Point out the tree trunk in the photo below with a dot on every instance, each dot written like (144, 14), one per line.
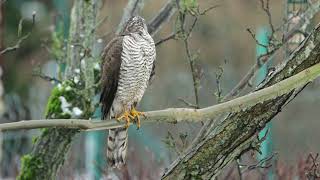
(52, 146)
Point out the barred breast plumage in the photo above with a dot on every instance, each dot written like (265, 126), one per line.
(137, 60)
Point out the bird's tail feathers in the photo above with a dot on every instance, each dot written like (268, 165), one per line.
(117, 146)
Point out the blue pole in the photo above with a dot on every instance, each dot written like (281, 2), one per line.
(267, 145)
(95, 151)
(63, 19)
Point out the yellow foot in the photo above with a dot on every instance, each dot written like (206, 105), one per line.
(137, 114)
(127, 117)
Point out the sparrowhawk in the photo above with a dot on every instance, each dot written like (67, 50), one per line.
(128, 66)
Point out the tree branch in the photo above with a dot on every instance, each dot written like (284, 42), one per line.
(16, 46)
(174, 115)
(132, 9)
(162, 17)
(22, 39)
(171, 36)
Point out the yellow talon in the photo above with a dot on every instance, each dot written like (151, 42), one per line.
(127, 117)
(137, 114)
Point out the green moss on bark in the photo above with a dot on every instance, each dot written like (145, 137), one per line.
(54, 109)
(52, 146)
(28, 166)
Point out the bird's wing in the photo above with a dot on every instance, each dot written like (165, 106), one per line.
(111, 58)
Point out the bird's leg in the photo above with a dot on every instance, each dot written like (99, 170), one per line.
(137, 114)
(126, 116)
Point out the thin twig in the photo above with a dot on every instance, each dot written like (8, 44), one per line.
(186, 35)
(100, 22)
(192, 67)
(209, 9)
(174, 34)
(16, 46)
(21, 40)
(218, 82)
(266, 8)
(46, 77)
(171, 36)
(188, 103)
(256, 40)
(261, 164)
(195, 20)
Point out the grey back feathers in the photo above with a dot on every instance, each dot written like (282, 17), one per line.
(127, 69)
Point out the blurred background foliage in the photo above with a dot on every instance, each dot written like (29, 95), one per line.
(222, 41)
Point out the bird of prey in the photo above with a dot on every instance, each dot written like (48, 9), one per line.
(128, 66)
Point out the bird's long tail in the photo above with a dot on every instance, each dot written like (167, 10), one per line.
(117, 147)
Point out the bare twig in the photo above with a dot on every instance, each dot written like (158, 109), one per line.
(171, 36)
(266, 9)
(254, 37)
(46, 77)
(261, 164)
(218, 93)
(16, 46)
(313, 172)
(174, 34)
(185, 37)
(22, 39)
(194, 73)
(208, 9)
(100, 22)
(189, 104)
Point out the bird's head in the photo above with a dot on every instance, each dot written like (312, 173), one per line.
(136, 24)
